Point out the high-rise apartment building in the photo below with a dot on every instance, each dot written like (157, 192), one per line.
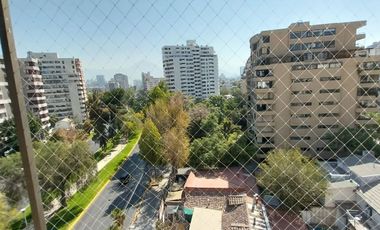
(191, 69)
(122, 79)
(306, 80)
(112, 84)
(100, 81)
(63, 85)
(149, 81)
(33, 89)
(5, 101)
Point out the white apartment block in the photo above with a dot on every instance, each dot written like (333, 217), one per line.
(122, 79)
(5, 101)
(33, 89)
(191, 69)
(149, 81)
(63, 84)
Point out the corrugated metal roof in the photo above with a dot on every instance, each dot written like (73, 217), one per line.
(364, 170)
(372, 197)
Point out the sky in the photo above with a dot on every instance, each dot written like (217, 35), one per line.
(127, 36)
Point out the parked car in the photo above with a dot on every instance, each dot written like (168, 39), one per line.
(125, 178)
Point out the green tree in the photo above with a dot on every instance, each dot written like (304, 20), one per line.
(8, 137)
(296, 180)
(7, 213)
(172, 120)
(12, 178)
(353, 140)
(60, 165)
(161, 92)
(150, 143)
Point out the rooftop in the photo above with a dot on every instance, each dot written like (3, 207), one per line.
(372, 197)
(207, 219)
(229, 178)
(366, 170)
(281, 219)
(235, 214)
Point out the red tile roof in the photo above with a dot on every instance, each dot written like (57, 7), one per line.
(228, 178)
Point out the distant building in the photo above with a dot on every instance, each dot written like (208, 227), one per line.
(100, 81)
(149, 81)
(5, 101)
(112, 84)
(62, 82)
(137, 84)
(122, 79)
(191, 69)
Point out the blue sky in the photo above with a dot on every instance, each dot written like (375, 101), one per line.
(127, 36)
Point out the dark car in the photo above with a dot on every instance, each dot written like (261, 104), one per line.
(124, 179)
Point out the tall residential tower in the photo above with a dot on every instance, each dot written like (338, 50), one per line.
(306, 80)
(63, 84)
(191, 69)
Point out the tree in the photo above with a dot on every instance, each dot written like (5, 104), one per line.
(150, 143)
(161, 92)
(172, 121)
(206, 152)
(12, 178)
(118, 219)
(353, 140)
(296, 180)
(60, 165)
(7, 213)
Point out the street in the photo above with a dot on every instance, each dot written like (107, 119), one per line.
(116, 195)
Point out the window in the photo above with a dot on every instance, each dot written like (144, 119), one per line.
(300, 126)
(331, 78)
(328, 115)
(312, 33)
(329, 91)
(266, 39)
(263, 107)
(369, 79)
(302, 92)
(368, 92)
(264, 73)
(328, 103)
(301, 115)
(300, 104)
(264, 85)
(302, 80)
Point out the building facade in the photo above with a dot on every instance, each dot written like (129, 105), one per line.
(33, 89)
(122, 79)
(306, 80)
(5, 101)
(191, 69)
(149, 81)
(63, 84)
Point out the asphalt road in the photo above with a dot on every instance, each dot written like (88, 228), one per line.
(116, 195)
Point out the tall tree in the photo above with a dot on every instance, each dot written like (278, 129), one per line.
(172, 121)
(151, 148)
(296, 180)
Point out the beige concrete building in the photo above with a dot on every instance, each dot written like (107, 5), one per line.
(306, 80)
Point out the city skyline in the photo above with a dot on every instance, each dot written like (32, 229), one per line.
(105, 42)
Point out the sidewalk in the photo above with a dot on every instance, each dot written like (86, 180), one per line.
(103, 162)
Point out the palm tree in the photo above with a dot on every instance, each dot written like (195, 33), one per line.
(118, 219)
